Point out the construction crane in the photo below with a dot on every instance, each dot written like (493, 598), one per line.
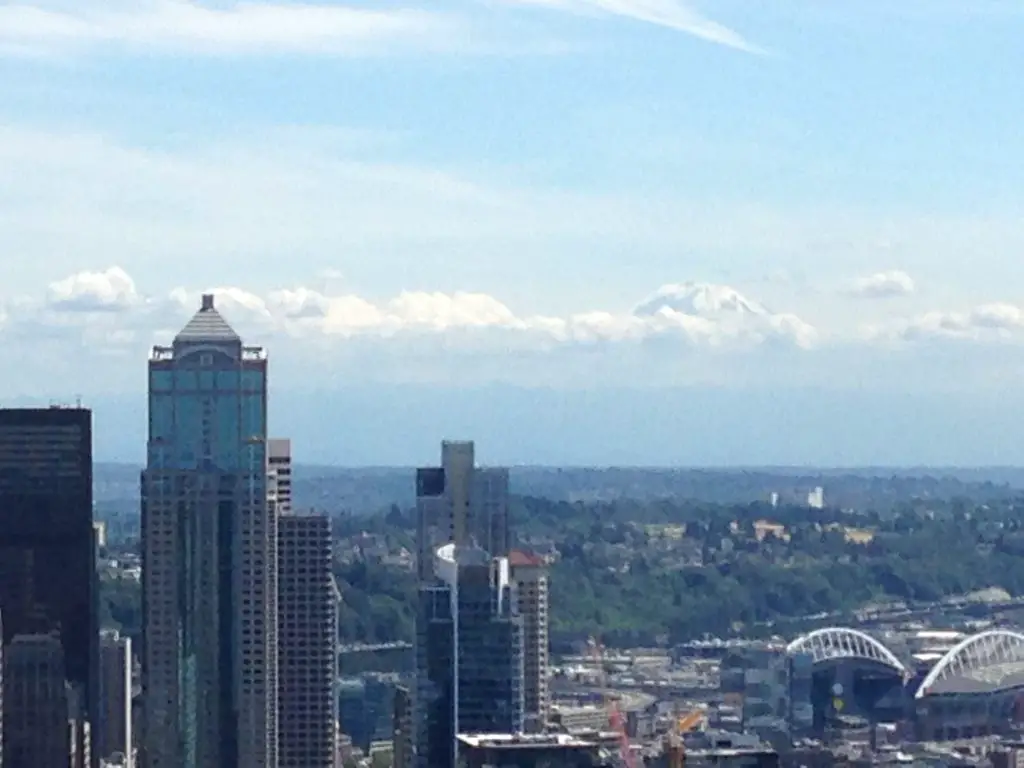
(674, 748)
(614, 715)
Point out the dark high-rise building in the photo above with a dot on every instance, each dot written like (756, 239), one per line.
(469, 653)
(48, 565)
(469, 634)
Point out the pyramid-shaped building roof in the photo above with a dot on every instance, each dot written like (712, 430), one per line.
(207, 325)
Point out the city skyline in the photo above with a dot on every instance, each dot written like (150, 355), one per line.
(571, 196)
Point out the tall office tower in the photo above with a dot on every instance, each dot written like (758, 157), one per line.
(469, 655)
(48, 559)
(307, 642)
(530, 576)
(209, 556)
(461, 503)
(114, 725)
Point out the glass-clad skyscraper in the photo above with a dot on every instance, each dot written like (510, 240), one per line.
(469, 651)
(209, 554)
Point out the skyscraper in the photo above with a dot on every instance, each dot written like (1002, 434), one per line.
(469, 655)
(469, 636)
(530, 577)
(45, 725)
(209, 556)
(47, 576)
(307, 626)
(114, 724)
(461, 503)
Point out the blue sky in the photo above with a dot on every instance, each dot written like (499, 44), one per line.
(524, 193)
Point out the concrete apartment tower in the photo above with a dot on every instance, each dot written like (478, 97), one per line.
(114, 729)
(209, 556)
(529, 574)
(307, 626)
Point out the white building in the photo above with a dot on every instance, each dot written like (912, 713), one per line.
(816, 498)
(529, 574)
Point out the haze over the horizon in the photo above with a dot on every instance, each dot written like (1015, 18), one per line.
(669, 232)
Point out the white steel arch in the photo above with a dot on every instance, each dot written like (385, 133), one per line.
(845, 643)
(994, 649)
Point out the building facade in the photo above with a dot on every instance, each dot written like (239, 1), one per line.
(113, 735)
(46, 520)
(469, 635)
(279, 474)
(461, 503)
(401, 720)
(307, 640)
(209, 556)
(43, 727)
(530, 576)
(469, 648)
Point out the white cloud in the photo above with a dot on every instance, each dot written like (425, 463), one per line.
(227, 28)
(882, 285)
(110, 291)
(693, 314)
(996, 321)
(673, 14)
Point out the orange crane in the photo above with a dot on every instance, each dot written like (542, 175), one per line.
(614, 716)
(674, 747)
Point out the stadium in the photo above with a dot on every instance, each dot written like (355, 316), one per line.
(975, 689)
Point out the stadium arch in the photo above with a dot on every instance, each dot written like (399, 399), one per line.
(991, 658)
(837, 643)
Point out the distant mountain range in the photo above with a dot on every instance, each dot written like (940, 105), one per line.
(393, 425)
(366, 490)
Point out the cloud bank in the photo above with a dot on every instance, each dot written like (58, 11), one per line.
(694, 315)
(92, 331)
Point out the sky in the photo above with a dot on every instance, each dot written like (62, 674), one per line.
(584, 231)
